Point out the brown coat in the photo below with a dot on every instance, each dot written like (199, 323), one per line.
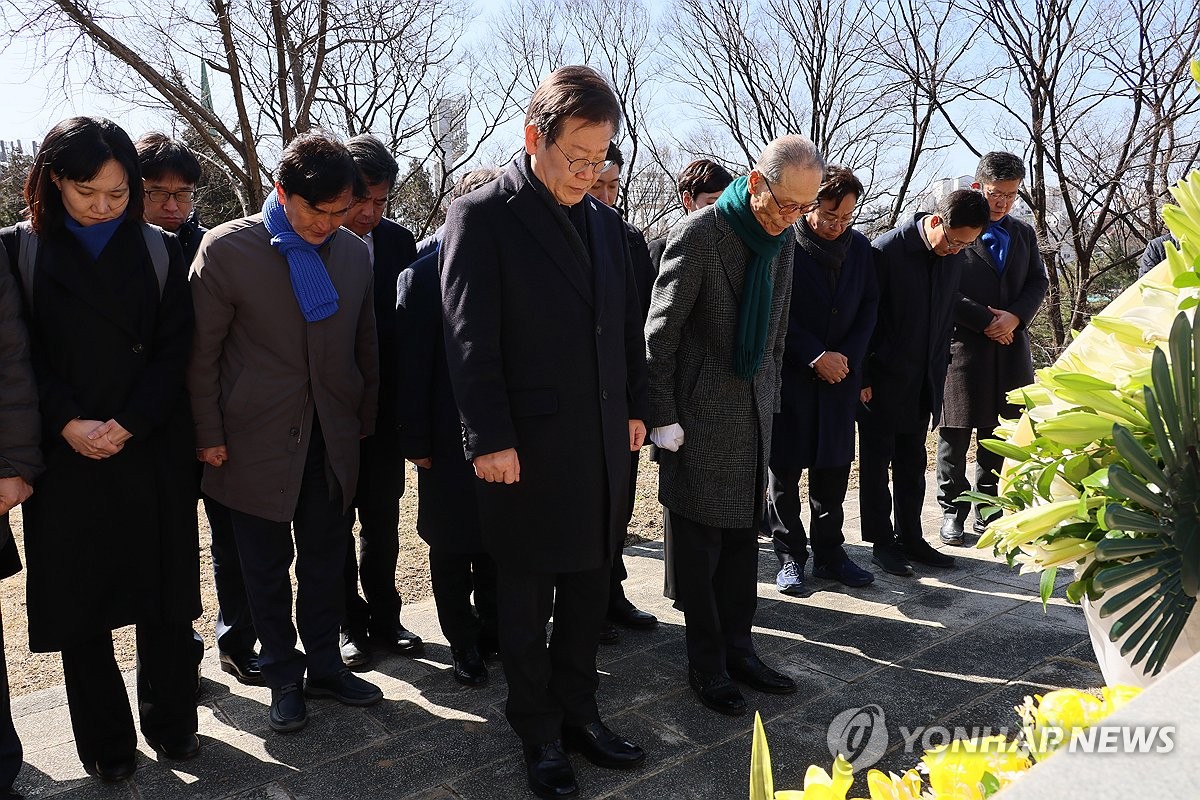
(259, 371)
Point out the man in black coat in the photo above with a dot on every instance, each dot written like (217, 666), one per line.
(700, 185)
(919, 266)
(20, 463)
(620, 610)
(1003, 283)
(545, 350)
(170, 173)
(375, 622)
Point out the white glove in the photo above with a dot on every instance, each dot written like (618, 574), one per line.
(668, 437)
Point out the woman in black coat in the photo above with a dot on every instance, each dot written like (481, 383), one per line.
(447, 513)
(110, 533)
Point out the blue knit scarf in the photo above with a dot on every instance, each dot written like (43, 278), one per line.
(754, 315)
(996, 239)
(94, 238)
(310, 281)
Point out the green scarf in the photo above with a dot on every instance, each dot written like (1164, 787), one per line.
(754, 317)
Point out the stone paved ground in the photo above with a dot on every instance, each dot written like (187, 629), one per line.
(949, 647)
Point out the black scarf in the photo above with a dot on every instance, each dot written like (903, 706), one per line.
(828, 254)
(572, 219)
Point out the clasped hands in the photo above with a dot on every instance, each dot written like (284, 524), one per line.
(504, 466)
(1000, 329)
(831, 367)
(95, 439)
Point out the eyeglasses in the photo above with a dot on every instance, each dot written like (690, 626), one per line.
(832, 221)
(578, 166)
(953, 243)
(790, 208)
(162, 195)
(992, 194)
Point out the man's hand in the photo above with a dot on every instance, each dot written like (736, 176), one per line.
(637, 434)
(864, 395)
(501, 467)
(13, 492)
(113, 432)
(668, 437)
(423, 463)
(1000, 329)
(78, 432)
(831, 367)
(213, 456)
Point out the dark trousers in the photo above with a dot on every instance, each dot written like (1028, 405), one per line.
(378, 504)
(11, 753)
(826, 493)
(953, 444)
(454, 577)
(553, 684)
(235, 627)
(616, 593)
(166, 677)
(904, 454)
(320, 548)
(716, 586)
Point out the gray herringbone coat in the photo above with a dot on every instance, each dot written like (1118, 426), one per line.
(719, 474)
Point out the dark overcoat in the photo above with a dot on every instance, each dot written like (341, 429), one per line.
(545, 355)
(447, 512)
(718, 476)
(643, 268)
(20, 426)
(981, 372)
(910, 348)
(382, 472)
(816, 426)
(114, 541)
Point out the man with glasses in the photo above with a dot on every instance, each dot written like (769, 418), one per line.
(545, 351)
(715, 344)
(284, 378)
(919, 265)
(1003, 284)
(170, 173)
(834, 299)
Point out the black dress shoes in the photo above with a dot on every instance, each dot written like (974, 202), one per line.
(952, 531)
(627, 615)
(288, 712)
(920, 551)
(980, 526)
(469, 669)
(891, 559)
(609, 634)
(345, 687)
(121, 769)
(243, 666)
(751, 671)
(400, 641)
(183, 748)
(356, 653)
(717, 692)
(601, 746)
(549, 771)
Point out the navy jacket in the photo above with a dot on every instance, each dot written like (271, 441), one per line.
(910, 349)
(816, 426)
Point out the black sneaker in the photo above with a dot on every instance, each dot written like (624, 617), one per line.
(345, 687)
(890, 559)
(288, 712)
(922, 552)
(845, 572)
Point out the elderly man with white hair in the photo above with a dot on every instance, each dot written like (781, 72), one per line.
(714, 343)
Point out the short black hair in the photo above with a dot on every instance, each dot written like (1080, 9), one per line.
(703, 176)
(77, 149)
(839, 182)
(318, 167)
(614, 155)
(998, 166)
(159, 156)
(374, 161)
(573, 91)
(965, 208)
